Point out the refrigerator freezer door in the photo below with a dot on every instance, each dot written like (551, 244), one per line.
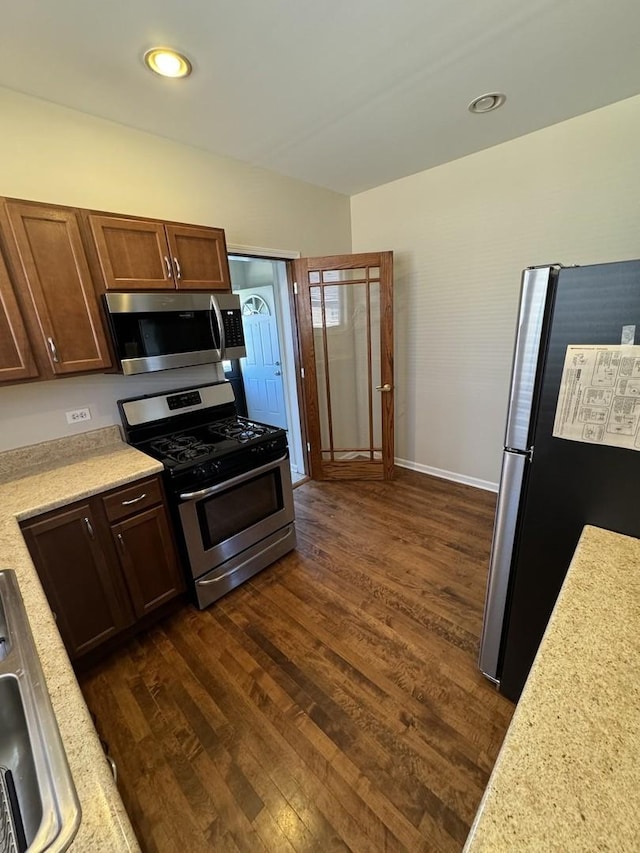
(569, 483)
(504, 534)
(536, 284)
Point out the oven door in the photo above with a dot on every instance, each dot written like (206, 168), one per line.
(225, 520)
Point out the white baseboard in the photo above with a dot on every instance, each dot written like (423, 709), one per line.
(487, 485)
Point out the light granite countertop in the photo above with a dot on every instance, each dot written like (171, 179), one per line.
(568, 775)
(34, 480)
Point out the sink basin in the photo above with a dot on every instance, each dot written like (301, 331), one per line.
(39, 808)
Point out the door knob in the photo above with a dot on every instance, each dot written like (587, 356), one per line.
(385, 387)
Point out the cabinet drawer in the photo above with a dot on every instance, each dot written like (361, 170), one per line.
(134, 498)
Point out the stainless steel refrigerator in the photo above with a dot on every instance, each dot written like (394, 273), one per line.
(551, 486)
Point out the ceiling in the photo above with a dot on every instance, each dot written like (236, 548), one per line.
(346, 94)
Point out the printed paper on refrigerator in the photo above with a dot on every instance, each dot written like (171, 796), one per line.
(599, 399)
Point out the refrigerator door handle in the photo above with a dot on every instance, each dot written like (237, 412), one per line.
(504, 533)
(536, 286)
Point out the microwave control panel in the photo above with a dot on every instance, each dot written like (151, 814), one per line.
(233, 333)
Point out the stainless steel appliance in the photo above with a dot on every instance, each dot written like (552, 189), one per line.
(550, 487)
(159, 331)
(228, 482)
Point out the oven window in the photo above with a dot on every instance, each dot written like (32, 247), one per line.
(155, 333)
(234, 510)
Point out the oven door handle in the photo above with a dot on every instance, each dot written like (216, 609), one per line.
(241, 478)
(215, 309)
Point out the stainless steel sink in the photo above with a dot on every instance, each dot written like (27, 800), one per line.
(39, 808)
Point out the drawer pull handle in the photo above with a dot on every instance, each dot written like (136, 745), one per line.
(89, 527)
(135, 500)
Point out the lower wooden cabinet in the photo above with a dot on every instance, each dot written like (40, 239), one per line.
(102, 576)
(148, 559)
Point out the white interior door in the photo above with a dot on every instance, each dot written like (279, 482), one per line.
(262, 367)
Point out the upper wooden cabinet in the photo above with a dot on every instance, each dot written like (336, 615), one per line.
(54, 286)
(136, 254)
(16, 358)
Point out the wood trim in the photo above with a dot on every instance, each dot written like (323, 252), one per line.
(327, 377)
(369, 365)
(386, 355)
(345, 262)
(305, 327)
(297, 361)
(353, 470)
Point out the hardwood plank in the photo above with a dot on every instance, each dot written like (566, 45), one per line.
(331, 703)
(353, 709)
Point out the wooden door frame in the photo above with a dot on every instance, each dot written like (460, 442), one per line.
(288, 257)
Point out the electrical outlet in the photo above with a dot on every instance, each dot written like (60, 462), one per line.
(78, 415)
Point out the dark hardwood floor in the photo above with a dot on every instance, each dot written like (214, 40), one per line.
(331, 703)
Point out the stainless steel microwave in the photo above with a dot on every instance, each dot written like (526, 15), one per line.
(160, 331)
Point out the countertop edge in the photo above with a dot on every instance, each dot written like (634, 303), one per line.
(566, 776)
(104, 824)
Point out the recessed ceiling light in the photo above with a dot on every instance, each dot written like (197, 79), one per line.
(487, 103)
(167, 62)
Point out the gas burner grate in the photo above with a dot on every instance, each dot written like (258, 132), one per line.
(239, 430)
(181, 448)
(194, 452)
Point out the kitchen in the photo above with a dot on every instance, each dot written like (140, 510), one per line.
(460, 224)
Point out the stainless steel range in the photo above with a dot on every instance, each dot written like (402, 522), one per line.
(227, 479)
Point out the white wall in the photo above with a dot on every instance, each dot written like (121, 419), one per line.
(461, 234)
(53, 154)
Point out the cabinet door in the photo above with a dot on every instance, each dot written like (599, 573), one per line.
(199, 257)
(78, 581)
(16, 358)
(133, 253)
(148, 559)
(50, 262)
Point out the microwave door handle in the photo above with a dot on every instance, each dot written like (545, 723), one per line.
(241, 478)
(215, 308)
